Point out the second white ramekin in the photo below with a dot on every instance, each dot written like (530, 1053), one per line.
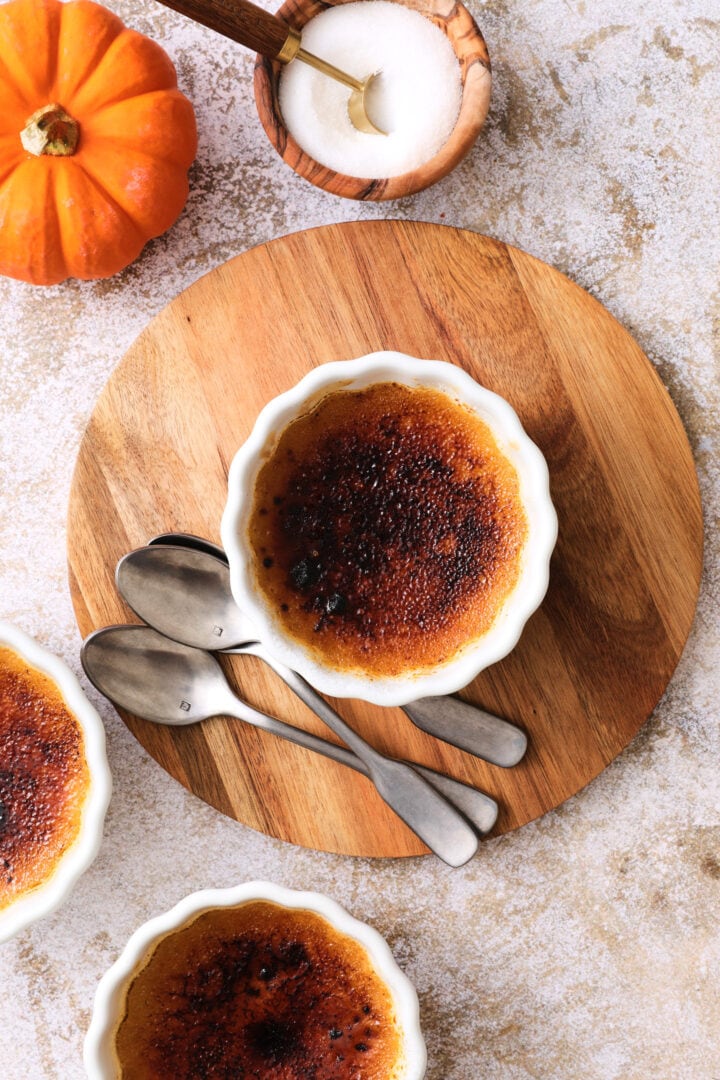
(512, 441)
(78, 857)
(99, 1054)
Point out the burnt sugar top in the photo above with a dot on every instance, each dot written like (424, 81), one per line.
(387, 528)
(259, 990)
(44, 777)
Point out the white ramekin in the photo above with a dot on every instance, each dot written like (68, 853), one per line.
(46, 897)
(532, 472)
(99, 1053)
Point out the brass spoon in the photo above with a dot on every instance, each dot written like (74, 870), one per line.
(256, 28)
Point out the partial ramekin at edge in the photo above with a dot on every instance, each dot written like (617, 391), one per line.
(99, 1047)
(54, 891)
(512, 441)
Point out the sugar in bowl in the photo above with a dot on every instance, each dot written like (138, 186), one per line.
(430, 95)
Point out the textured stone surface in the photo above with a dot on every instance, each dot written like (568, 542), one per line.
(587, 943)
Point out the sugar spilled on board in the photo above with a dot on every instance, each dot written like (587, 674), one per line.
(415, 98)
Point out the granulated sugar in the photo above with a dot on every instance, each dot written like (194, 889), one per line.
(415, 99)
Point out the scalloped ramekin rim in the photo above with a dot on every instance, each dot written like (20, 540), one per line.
(75, 861)
(526, 597)
(98, 1055)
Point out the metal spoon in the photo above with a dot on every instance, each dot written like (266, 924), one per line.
(189, 599)
(167, 682)
(129, 690)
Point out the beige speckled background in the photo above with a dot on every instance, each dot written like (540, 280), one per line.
(586, 944)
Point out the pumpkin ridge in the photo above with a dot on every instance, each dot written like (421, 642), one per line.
(157, 92)
(129, 55)
(56, 245)
(131, 146)
(93, 25)
(15, 78)
(10, 85)
(27, 198)
(11, 155)
(163, 203)
(111, 200)
(31, 29)
(98, 213)
(53, 46)
(106, 127)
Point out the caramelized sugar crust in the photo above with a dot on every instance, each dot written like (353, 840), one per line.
(44, 777)
(258, 990)
(387, 529)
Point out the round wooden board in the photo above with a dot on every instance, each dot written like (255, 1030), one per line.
(592, 662)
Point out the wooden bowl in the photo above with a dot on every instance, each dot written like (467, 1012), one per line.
(471, 51)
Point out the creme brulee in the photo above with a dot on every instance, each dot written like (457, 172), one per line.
(258, 990)
(44, 777)
(387, 529)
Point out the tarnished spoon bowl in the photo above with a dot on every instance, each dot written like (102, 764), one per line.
(163, 681)
(180, 585)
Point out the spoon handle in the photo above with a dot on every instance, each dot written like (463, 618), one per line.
(477, 807)
(414, 800)
(240, 21)
(448, 718)
(470, 728)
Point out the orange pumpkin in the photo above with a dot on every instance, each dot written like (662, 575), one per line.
(95, 141)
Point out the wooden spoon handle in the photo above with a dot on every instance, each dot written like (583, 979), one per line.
(240, 21)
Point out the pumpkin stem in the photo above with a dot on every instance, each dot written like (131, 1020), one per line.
(52, 131)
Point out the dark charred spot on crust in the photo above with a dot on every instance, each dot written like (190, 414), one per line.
(41, 762)
(274, 1040)
(256, 999)
(395, 525)
(305, 572)
(396, 534)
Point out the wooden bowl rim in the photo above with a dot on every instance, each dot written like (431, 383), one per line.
(475, 69)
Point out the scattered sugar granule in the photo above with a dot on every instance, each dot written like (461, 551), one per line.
(416, 97)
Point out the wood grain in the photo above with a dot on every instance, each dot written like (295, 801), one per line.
(596, 657)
